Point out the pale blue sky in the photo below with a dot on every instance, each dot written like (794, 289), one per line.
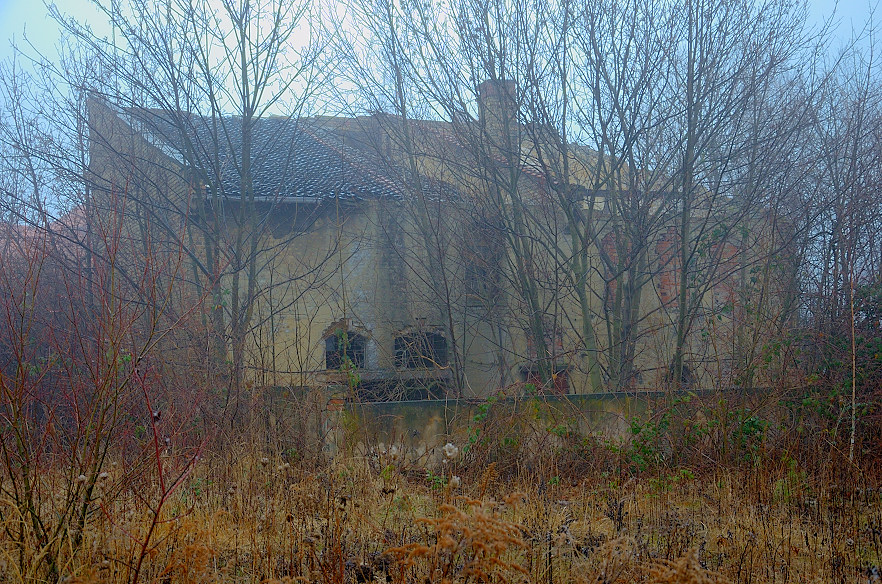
(19, 17)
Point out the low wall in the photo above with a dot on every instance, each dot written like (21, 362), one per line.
(420, 428)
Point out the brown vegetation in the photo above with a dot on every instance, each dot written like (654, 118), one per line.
(733, 504)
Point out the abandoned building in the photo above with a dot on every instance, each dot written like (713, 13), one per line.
(410, 259)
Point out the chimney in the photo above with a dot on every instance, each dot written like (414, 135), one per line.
(498, 108)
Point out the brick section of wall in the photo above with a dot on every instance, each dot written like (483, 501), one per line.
(724, 289)
(609, 246)
(667, 250)
(336, 404)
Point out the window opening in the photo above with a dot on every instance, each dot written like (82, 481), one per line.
(343, 345)
(420, 351)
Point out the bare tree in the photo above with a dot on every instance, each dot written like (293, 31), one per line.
(615, 149)
(202, 81)
(731, 54)
(424, 236)
(842, 254)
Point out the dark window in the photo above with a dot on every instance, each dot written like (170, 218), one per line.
(420, 350)
(407, 390)
(475, 279)
(687, 378)
(344, 345)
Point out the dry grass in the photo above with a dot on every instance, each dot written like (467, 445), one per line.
(727, 504)
(251, 516)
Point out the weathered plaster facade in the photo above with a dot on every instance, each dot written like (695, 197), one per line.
(401, 250)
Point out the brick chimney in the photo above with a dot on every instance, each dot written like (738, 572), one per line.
(498, 108)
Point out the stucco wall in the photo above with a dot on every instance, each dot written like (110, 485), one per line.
(364, 264)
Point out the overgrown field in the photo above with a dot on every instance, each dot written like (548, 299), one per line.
(682, 499)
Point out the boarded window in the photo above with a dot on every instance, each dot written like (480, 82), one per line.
(344, 346)
(420, 351)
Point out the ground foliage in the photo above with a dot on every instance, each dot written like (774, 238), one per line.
(696, 491)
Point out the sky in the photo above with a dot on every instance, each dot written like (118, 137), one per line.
(29, 17)
(20, 17)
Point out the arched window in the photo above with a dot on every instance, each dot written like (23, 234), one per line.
(342, 346)
(418, 350)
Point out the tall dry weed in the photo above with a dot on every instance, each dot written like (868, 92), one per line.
(684, 570)
(469, 542)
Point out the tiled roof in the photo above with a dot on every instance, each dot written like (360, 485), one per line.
(290, 157)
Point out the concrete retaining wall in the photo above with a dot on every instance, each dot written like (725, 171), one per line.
(418, 429)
